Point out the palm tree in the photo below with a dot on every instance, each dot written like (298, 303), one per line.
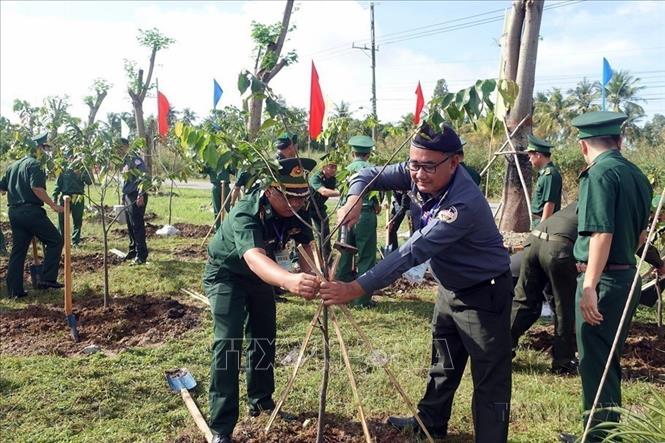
(622, 93)
(551, 114)
(342, 109)
(582, 97)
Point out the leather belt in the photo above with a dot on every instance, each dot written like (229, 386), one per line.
(581, 267)
(549, 237)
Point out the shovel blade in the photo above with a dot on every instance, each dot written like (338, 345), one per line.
(180, 378)
(71, 321)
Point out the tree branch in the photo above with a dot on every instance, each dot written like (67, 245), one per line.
(285, 28)
(274, 71)
(146, 85)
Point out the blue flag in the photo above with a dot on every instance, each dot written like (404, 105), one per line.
(607, 71)
(217, 93)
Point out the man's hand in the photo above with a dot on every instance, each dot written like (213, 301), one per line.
(589, 306)
(304, 285)
(349, 214)
(339, 293)
(57, 208)
(140, 201)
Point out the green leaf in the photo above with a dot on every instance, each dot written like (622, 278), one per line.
(472, 104)
(243, 82)
(179, 127)
(508, 90)
(436, 119)
(446, 100)
(268, 123)
(210, 155)
(257, 85)
(454, 114)
(459, 98)
(272, 107)
(487, 87)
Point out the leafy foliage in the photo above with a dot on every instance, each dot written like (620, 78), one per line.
(645, 426)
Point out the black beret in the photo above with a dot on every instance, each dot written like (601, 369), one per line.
(445, 141)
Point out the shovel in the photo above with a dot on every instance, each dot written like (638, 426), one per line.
(68, 304)
(181, 380)
(36, 267)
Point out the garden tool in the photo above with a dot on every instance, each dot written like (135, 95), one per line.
(69, 312)
(36, 267)
(181, 380)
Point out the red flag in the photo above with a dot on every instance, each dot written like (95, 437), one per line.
(317, 106)
(163, 108)
(420, 102)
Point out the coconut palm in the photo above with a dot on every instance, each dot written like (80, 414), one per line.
(582, 97)
(622, 93)
(552, 114)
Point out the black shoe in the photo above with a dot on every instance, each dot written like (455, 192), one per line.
(130, 256)
(369, 305)
(50, 285)
(410, 424)
(567, 438)
(218, 438)
(19, 295)
(565, 368)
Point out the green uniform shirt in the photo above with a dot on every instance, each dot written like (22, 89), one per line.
(20, 178)
(564, 224)
(316, 182)
(614, 197)
(71, 182)
(475, 176)
(216, 177)
(548, 189)
(252, 224)
(369, 199)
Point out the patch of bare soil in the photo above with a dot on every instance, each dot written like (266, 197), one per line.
(643, 354)
(514, 241)
(186, 230)
(405, 290)
(41, 329)
(191, 253)
(93, 262)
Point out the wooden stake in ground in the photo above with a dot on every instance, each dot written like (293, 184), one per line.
(67, 234)
(219, 214)
(222, 200)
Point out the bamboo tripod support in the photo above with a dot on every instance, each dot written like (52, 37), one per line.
(68, 256)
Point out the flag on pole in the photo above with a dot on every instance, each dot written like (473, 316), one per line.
(420, 103)
(163, 108)
(317, 106)
(607, 71)
(217, 93)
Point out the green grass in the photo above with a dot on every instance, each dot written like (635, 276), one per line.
(124, 397)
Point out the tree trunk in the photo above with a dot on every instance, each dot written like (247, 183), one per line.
(141, 132)
(256, 109)
(105, 265)
(520, 66)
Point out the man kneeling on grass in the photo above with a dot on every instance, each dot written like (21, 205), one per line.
(246, 258)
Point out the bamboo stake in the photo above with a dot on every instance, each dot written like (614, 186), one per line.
(68, 255)
(519, 125)
(389, 372)
(222, 200)
(214, 222)
(519, 172)
(299, 361)
(352, 380)
(195, 295)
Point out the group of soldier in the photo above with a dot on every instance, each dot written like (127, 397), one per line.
(24, 181)
(585, 253)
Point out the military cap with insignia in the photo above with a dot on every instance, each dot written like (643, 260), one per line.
(599, 123)
(445, 141)
(285, 139)
(40, 139)
(291, 175)
(538, 145)
(361, 144)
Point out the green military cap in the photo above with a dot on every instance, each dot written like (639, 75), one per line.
(325, 157)
(361, 144)
(599, 123)
(40, 139)
(285, 139)
(291, 175)
(538, 145)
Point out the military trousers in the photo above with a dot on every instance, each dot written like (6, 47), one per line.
(472, 323)
(77, 207)
(30, 221)
(363, 236)
(594, 343)
(241, 308)
(547, 261)
(136, 225)
(217, 201)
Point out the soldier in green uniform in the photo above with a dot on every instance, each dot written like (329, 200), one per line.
(246, 258)
(72, 181)
(548, 258)
(613, 212)
(217, 176)
(25, 183)
(546, 199)
(323, 185)
(475, 176)
(363, 234)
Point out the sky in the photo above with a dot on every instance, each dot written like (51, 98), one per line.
(59, 48)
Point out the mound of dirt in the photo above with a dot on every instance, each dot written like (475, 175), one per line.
(41, 329)
(93, 262)
(643, 354)
(404, 289)
(191, 253)
(186, 230)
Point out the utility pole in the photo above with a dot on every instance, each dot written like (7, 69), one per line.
(373, 50)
